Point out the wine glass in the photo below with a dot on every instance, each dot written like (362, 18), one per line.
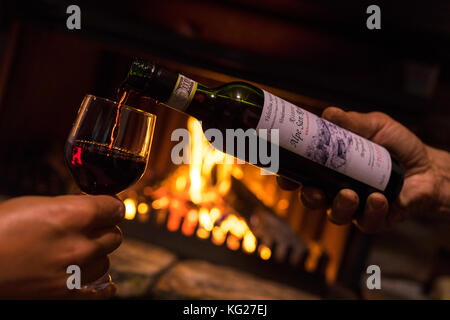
(108, 149)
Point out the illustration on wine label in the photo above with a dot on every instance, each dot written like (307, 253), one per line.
(329, 143)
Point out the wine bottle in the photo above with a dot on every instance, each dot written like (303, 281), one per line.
(312, 151)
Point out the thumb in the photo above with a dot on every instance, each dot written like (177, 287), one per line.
(366, 125)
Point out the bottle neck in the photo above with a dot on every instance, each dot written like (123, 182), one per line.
(161, 84)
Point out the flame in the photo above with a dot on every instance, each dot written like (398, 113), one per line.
(190, 223)
(195, 190)
(218, 236)
(142, 208)
(202, 233)
(161, 203)
(180, 183)
(224, 187)
(236, 226)
(249, 242)
(237, 172)
(130, 208)
(233, 242)
(204, 182)
(264, 252)
(205, 220)
(173, 223)
(214, 214)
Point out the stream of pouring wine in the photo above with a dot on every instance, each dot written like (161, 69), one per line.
(116, 123)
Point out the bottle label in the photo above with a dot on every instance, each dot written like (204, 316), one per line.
(321, 141)
(182, 93)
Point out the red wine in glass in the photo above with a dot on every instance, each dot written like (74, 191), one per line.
(98, 169)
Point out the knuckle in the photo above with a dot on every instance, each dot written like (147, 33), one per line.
(108, 242)
(87, 214)
(84, 253)
(313, 201)
(75, 210)
(116, 238)
(117, 241)
(90, 207)
(380, 117)
(79, 253)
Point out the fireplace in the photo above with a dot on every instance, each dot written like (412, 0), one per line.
(227, 214)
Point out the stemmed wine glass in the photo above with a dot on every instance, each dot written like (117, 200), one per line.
(108, 149)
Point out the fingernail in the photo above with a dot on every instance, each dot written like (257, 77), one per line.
(345, 203)
(310, 199)
(332, 113)
(376, 203)
(306, 197)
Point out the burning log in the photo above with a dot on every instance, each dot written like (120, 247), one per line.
(272, 230)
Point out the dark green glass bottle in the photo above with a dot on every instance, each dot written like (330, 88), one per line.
(312, 151)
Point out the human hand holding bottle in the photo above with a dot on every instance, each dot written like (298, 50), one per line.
(426, 189)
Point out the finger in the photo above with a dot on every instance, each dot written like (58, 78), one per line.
(364, 124)
(106, 240)
(287, 184)
(94, 270)
(101, 212)
(375, 214)
(92, 294)
(344, 207)
(313, 198)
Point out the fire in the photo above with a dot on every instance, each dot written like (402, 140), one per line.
(190, 223)
(233, 243)
(249, 242)
(161, 203)
(195, 190)
(130, 208)
(180, 183)
(264, 252)
(203, 183)
(218, 236)
(142, 208)
(205, 219)
(202, 233)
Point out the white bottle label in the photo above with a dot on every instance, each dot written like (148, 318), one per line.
(323, 142)
(183, 92)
